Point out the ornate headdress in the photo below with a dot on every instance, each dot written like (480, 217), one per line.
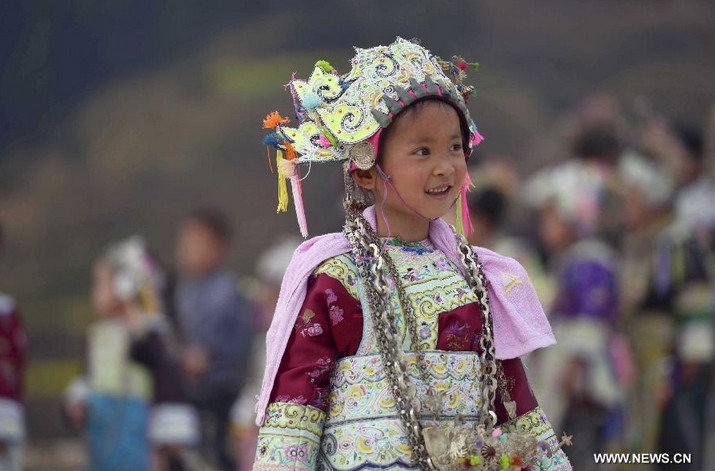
(340, 118)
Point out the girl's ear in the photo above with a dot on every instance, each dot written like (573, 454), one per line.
(365, 178)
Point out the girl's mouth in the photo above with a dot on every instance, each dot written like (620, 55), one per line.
(439, 192)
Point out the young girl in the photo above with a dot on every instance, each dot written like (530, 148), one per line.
(396, 345)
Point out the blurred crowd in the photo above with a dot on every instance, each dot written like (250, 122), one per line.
(619, 240)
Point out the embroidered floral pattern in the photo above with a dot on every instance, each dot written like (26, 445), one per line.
(289, 439)
(330, 296)
(363, 428)
(336, 315)
(342, 269)
(305, 327)
(455, 335)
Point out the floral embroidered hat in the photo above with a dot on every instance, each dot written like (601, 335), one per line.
(341, 117)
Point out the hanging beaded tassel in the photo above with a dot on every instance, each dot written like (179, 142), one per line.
(464, 222)
(282, 185)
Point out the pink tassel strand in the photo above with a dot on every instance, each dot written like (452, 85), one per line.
(297, 188)
(476, 138)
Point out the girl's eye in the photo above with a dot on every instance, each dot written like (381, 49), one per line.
(422, 151)
(456, 147)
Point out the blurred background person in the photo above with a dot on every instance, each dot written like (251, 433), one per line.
(215, 327)
(270, 268)
(501, 224)
(646, 191)
(173, 422)
(133, 407)
(578, 377)
(487, 210)
(112, 405)
(681, 148)
(12, 368)
(683, 287)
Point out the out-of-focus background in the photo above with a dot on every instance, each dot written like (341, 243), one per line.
(120, 117)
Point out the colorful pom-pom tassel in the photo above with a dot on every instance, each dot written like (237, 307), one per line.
(282, 186)
(273, 120)
(273, 140)
(311, 101)
(290, 151)
(476, 138)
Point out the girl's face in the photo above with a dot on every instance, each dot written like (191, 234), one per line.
(424, 156)
(104, 297)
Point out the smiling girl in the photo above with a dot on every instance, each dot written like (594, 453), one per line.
(395, 344)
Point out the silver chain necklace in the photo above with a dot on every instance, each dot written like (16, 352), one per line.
(372, 265)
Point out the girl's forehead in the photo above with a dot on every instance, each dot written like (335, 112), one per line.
(432, 118)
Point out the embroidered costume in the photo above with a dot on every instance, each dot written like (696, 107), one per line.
(330, 405)
(391, 355)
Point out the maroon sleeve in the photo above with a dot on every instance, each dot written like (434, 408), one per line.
(517, 385)
(460, 330)
(328, 327)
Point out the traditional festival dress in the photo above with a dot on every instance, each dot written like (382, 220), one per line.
(384, 354)
(331, 405)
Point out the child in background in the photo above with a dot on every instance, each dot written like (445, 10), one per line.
(578, 378)
(131, 404)
(215, 328)
(395, 344)
(12, 365)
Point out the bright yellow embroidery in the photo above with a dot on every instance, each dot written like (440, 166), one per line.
(510, 281)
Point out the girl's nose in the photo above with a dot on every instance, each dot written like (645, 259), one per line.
(444, 167)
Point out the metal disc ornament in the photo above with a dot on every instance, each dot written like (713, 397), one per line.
(363, 155)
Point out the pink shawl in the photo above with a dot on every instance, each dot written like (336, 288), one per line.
(520, 325)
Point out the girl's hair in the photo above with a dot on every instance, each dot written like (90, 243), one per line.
(413, 110)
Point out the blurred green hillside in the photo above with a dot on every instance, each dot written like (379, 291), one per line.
(142, 149)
